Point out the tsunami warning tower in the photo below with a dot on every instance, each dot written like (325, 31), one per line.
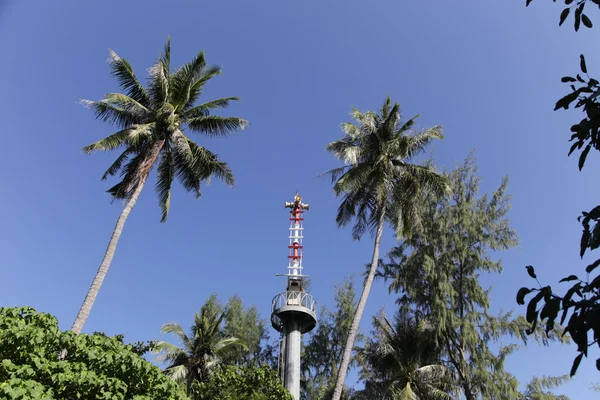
(294, 311)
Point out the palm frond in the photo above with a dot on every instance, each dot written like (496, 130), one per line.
(159, 84)
(204, 109)
(177, 373)
(176, 329)
(127, 103)
(118, 163)
(168, 352)
(112, 114)
(416, 144)
(123, 71)
(130, 136)
(213, 125)
(165, 57)
(110, 142)
(224, 344)
(347, 151)
(166, 172)
(198, 82)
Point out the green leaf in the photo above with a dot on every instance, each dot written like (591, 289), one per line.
(583, 156)
(569, 278)
(563, 15)
(586, 21)
(521, 295)
(576, 364)
(582, 64)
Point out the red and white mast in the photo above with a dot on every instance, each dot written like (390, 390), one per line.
(295, 247)
(293, 312)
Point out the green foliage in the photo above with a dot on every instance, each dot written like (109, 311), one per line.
(537, 388)
(580, 304)
(402, 360)
(152, 121)
(322, 354)
(250, 328)
(377, 151)
(437, 271)
(200, 353)
(578, 7)
(95, 366)
(241, 383)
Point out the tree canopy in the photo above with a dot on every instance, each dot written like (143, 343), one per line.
(95, 366)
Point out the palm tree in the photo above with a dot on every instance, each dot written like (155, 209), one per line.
(402, 361)
(151, 123)
(201, 352)
(377, 151)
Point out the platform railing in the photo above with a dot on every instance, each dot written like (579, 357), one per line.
(298, 299)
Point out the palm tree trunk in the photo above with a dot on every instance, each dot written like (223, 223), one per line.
(92, 293)
(359, 312)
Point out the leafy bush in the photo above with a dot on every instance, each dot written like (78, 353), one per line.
(94, 367)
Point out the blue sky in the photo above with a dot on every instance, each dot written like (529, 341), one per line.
(488, 71)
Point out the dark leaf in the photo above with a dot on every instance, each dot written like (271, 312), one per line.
(566, 101)
(531, 271)
(595, 239)
(580, 79)
(564, 315)
(567, 2)
(586, 21)
(598, 364)
(592, 266)
(575, 146)
(593, 82)
(550, 310)
(578, 12)
(585, 90)
(546, 292)
(568, 79)
(569, 278)
(576, 364)
(596, 282)
(563, 15)
(585, 238)
(521, 295)
(532, 314)
(527, 2)
(582, 64)
(595, 1)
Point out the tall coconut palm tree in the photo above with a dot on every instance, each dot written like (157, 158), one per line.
(151, 123)
(201, 352)
(402, 361)
(377, 151)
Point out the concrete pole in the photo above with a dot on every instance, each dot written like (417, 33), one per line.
(292, 358)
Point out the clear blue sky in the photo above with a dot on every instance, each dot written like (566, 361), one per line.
(488, 71)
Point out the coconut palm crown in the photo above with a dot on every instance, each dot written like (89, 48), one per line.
(152, 122)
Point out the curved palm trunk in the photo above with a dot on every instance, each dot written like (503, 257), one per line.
(339, 386)
(92, 293)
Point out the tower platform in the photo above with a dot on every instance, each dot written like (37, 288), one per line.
(295, 306)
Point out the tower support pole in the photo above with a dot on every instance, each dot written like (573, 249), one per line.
(292, 358)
